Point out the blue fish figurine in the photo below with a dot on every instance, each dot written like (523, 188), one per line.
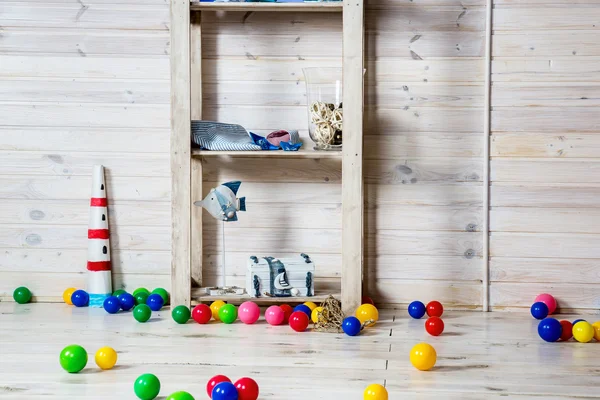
(222, 202)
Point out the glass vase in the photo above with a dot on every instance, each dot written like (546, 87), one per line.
(324, 100)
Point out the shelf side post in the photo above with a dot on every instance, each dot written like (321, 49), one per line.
(352, 155)
(180, 153)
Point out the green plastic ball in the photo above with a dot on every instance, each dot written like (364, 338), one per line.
(146, 387)
(141, 290)
(228, 314)
(22, 295)
(119, 292)
(181, 314)
(142, 313)
(180, 396)
(73, 358)
(163, 293)
(141, 297)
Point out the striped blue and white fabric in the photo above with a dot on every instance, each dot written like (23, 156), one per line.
(219, 136)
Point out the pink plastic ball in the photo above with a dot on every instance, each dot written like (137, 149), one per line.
(548, 300)
(248, 312)
(274, 315)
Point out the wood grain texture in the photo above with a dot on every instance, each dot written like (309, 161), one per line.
(547, 119)
(546, 18)
(563, 196)
(546, 245)
(546, 145)
(546, 95)
(572, 296)
(545, 270)
(551, 220)
(422, 144)
(544, 69)
(546, 170)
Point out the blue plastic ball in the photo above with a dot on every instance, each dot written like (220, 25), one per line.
(127, 301)
(224, 391)
(112, 305)
(305, 309)
(539, 310)
(155, 302)
(550, 329)
(80, 298)
(578, 320)
(416, 309)
(351, 326)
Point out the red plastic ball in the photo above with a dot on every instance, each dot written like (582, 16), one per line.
(247, 389)
(434, 326)
(435, 309)
(201, 313)
(567, 330)
(287, 311)
(299, 321)
(214, 381)
(367, 300)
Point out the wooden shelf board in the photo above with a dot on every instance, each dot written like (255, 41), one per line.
(324, 6)
(198, 296)
(303, 153)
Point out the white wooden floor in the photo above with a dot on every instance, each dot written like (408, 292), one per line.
(480, 356)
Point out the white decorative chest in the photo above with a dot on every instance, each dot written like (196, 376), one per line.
(280, 277)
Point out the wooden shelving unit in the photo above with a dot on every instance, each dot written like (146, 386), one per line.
(186, 163)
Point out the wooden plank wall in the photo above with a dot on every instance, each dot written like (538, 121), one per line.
(545, 152)
(83, 83)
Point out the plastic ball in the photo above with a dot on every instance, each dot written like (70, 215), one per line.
(201, 314)
(351, 326)
(567, 330)
(299, 321)
(80, 298)
(314, 315)
(180, 396)
(423, 356)
(119, 292)
(22, 295)
(67, 295)
(249, 312)
(539, 310)
(596, 326)
(578, 320)
(155, 302)
(127, 301)
(305, 309)
(416, 309)
(106, 357)
(181, 314)
(163, 293)
(287, 311)
(550, 329)
(434, 309)
(434, 326)
(247, 388)
(73, 358)
(141, 290)
(228, 314)
(310, 305)
(274, 315)
(142, 313)
(224, 391)
(367, 312)
(549, 300)
(583, 332)
(375, 392)
(214, 381)
(141, 298)
(214, 307)
(146, 387)
(367, 300)
(111, 305)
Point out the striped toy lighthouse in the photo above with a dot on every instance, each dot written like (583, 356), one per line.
(98, 265)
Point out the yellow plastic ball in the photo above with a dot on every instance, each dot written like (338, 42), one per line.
(375, 392)
(596, 326)
(67, 295)
(310, 305)
(106, 357)
(215, 307)
(583, 331)
(313, 316)
(423, 356)
(367, 312)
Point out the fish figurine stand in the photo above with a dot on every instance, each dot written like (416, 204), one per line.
(280, 277)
